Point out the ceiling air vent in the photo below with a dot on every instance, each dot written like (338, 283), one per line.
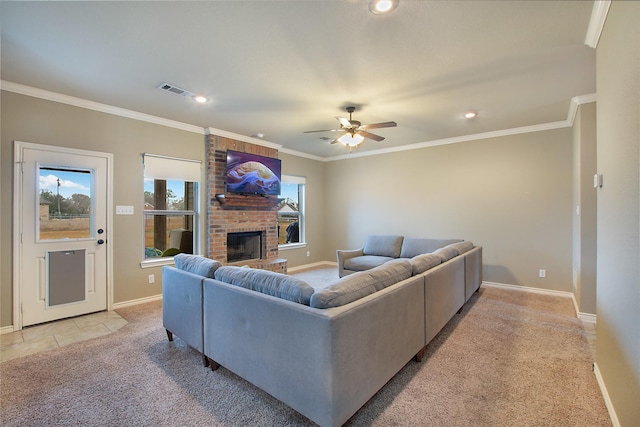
(174, 89)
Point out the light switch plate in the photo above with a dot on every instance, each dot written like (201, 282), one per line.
(124, 210)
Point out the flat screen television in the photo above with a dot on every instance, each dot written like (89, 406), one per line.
(253, 174)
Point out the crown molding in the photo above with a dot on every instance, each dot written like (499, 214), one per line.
(301, 154)
(96, 106)
(571, 114)
(596, 23)
(576, 101)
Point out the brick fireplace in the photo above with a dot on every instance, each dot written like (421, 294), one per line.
(239, 214)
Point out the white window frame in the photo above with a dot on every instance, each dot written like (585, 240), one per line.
(301, 181)
(160, 167)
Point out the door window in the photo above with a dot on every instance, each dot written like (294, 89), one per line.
(65, 203)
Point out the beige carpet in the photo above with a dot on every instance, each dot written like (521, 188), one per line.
(509, 359)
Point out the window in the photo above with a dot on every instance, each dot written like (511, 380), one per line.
(66, 210)
(170, 206)
(291, 210)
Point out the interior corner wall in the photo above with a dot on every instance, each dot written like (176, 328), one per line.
(584, 208)
(39, 121)
(618, 157)
(512, 195)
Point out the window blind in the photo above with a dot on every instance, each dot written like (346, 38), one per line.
(171, 168)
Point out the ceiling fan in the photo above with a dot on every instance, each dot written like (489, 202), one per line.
(354, 132)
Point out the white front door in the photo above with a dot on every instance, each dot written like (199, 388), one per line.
(62, 198)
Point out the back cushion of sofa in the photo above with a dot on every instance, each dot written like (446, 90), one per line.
(462, 247)
(424, 262)
(361, 284)
(383, 246)
(196, 264)
(348, 289)
(412, 247)
(267, 282)
(446, 253)
(390, 272)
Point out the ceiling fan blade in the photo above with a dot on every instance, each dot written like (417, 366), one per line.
(379, 125)
(371, 135)
(323, 130)
(344, 122)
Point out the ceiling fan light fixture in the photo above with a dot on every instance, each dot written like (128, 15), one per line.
(381, 7)
(350, 140)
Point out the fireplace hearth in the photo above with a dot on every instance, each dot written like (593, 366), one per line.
(244, 246)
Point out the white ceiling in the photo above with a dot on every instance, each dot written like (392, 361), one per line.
(283, 67)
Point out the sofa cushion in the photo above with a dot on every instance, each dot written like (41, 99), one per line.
(462, 247)
(348, 289)
(424, 262)
(391, 272)
(412, 247)
(361, 284)
(446, 253)
(267, 282)
(388, 246)
(365, 262)
(196, 264)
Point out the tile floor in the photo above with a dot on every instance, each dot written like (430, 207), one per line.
(48, 336)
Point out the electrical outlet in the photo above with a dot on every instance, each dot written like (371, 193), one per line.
(542, 273)
(308, 253)
(152, 278)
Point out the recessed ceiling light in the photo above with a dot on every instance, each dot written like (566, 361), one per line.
(200, 99)
(470, 115)
(380, 7)
(258, 135)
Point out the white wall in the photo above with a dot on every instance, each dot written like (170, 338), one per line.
(512, 195)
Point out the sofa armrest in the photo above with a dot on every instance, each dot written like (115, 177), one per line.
(182, 305)
(344, 255)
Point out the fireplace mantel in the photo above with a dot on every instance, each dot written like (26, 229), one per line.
(230, 201)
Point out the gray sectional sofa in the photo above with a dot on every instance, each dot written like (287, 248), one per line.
(323, 349)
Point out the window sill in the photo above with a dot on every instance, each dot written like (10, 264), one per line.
(156, 262)
(288, 246)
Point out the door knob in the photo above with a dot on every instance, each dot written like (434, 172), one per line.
(100, 241)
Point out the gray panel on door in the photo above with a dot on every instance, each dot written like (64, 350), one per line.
(66, 277)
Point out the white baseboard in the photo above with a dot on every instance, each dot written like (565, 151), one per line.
(6, 330)
(312, 265)
(118, 305)
(529, 289)
(605, 394)
(585, 317)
